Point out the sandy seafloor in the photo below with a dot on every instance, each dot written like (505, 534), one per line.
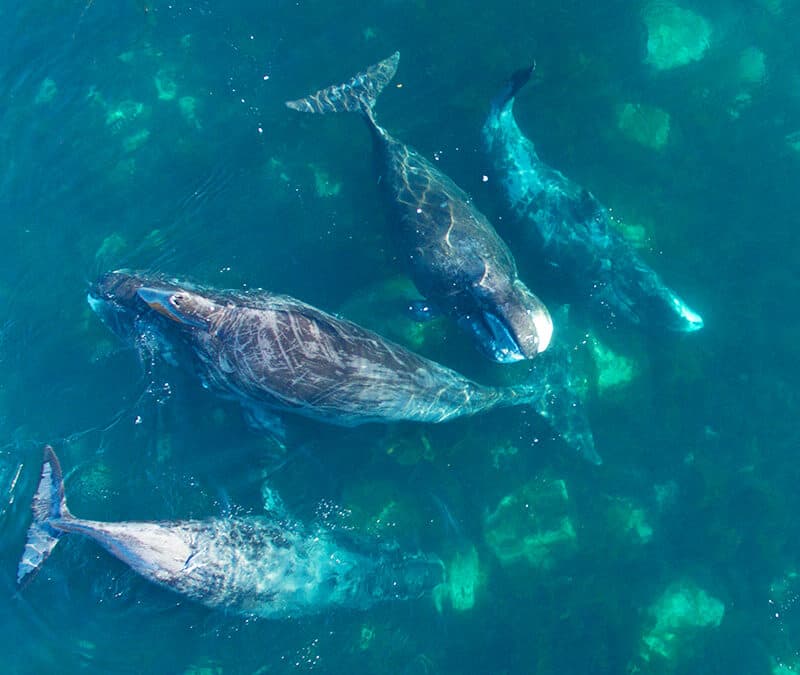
(153, 135)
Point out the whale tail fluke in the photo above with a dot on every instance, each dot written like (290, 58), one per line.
(557, 394)
(358, 94)
(49, 504)
(519, 78)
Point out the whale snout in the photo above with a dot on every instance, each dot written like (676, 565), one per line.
(688, 320)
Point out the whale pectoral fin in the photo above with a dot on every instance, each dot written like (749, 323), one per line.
(422, 310)
(262, 420)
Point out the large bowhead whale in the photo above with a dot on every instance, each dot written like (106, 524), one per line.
(273, 353)
(456, 259)
(261, 566)
(568, 228)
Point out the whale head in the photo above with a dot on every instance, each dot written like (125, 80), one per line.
(510, 323)
(113, 297)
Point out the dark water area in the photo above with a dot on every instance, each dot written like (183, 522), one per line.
(154, 136)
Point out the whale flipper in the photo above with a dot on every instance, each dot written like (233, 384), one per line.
(358, 94)
(49, 503)
(423, 311)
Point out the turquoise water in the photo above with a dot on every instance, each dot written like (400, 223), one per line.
(154, 136)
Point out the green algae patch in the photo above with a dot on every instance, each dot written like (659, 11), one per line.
(644, 124)
(681, 611)
(188, 107)
(675, 36)
(136, 140)
(324, 185)
(630, 520)
(166, 87)
(613, 370)
(532, 525)
(463, 580)
(123, 113)
(111, 247)
(47, 91)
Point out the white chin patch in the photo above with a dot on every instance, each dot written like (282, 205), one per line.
(544, 330)
(694, 320)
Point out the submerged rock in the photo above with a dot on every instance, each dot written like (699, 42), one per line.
(631, 520)
(644, 124)
(675, 36)
(532, 525)
(463, 578)
(752, 68)
(188, 108)
(677, 615)
(324, 185)
(613, 370)
(47, 91)
(166, 86)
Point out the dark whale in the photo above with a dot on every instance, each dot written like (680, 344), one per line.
(567, 227)
(281, 569)
(275, 354)
(456, 259)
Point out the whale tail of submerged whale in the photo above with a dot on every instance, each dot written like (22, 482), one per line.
(49, 504)
(519, 78)
(358, 94)
(556, 393)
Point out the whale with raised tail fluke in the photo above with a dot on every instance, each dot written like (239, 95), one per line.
(455, 256)
(281, 569)
(567, 228)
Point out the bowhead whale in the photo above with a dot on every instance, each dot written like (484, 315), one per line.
(455, 256)
(566, 226)
(275, 354)
(257, 566)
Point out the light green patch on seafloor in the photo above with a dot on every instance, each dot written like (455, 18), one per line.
(166, 87)
(188, 108)
(752, 67)
(675, 36)
(207, 668)
(678, 614)
(501, 453)
(366, 637)
(532, 525)
(613, 370)
(135, 141)
(644, 124)
(793, 141)
(47, 91)
(463, 578)
(631, 519)
(635, 234)
(121, 114)
(324, 185)
(408, 448)
(111, 247)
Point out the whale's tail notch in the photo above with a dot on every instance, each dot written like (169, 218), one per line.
(49, 504)
(358, 94)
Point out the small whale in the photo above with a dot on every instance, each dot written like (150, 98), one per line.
(566, 226)
(275, 354)
(456, 258)
(282, 570)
